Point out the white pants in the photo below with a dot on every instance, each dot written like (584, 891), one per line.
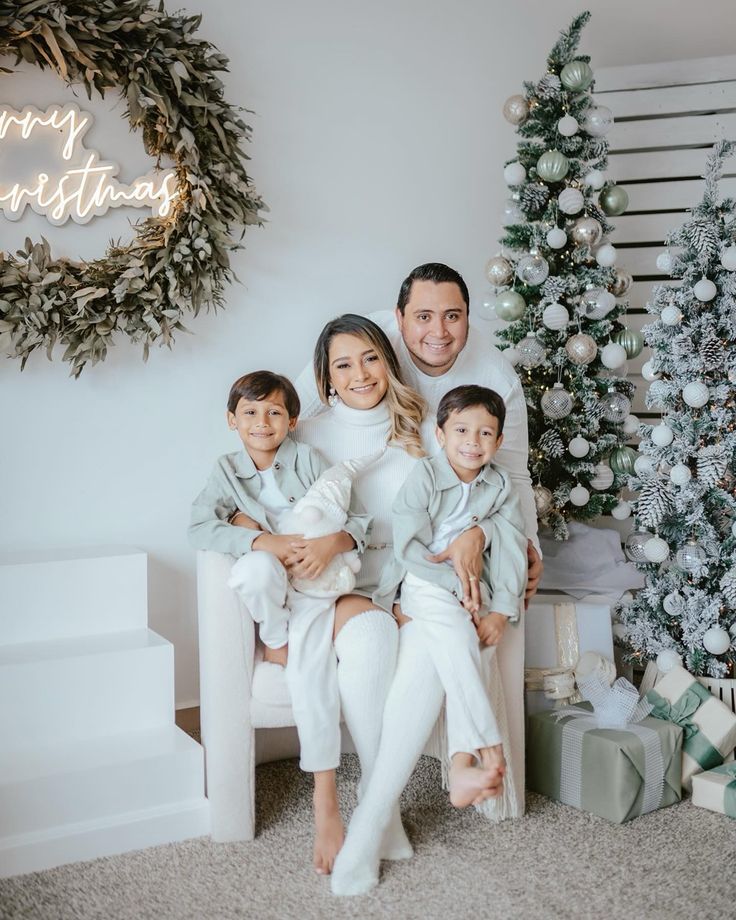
(307, 623)
(450, 638)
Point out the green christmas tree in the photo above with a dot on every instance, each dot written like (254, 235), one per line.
(556, 285)
(685, 475)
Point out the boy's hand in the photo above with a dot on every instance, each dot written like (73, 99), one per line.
(308, 558)
(491, 628)
(278, 544)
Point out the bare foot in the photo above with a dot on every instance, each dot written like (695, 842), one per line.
(468, 784)
(329, 834)
(276, 655)
(492, 759)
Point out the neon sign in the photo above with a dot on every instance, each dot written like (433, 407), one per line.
(82, 186)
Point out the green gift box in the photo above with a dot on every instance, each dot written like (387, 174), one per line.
(617, 774)
(716, 789)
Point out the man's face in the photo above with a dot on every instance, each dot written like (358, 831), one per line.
(434, 325)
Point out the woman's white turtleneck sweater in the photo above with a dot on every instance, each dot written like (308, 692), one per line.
(342, 433)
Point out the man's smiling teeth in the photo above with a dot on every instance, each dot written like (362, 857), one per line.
(437, 347)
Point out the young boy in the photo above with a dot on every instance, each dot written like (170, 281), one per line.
(443, 496)
(237, 512)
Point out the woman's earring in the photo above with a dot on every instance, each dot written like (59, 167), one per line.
(333, 399)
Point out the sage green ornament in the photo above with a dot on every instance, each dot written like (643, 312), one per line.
(552, 166)
(576, 76)
(632, 341)
(509, 306)
(613, 200)
(622, 460)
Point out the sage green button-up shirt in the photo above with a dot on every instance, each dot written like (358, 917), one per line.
(234, 485)
(431, 492)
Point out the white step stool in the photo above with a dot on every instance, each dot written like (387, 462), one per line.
(91, 763)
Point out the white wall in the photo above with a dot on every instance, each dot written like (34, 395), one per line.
(378, 144)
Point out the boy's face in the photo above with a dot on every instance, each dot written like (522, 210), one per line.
(262, 424)
(470, 439)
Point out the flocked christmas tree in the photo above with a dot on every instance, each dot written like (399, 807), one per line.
(556, 285)
(685, 475)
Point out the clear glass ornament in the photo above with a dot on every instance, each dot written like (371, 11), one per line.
(532, 269)
(615, 407)
(598, 121)
(499, 271)
(596, 303)
(634, 545)
(690, 557)
(581, 348)
(531, 351)
(556, 403)
(512, 213)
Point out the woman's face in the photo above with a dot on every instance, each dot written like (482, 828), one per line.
(357, 372)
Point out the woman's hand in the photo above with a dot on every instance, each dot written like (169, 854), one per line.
(310, 557)
(466, 554)
(491, 628)
(536, 567)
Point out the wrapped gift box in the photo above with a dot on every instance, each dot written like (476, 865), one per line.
(716, 789)
(557, 631)
(617, 774)
(710, 726)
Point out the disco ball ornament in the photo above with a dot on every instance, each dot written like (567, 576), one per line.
(668, 659)
(690, 557)
(622, 460)
(555, 317)
(649, 372)
(614, 407)
(579, 496)
(662, 435)
(595, 179)
(556, 238)
(716, 640)
(596, 303)
(531, 351)
(728, 258)
(671, 316)
(570, 201)
(509, 306)
(581, 349)
(576, 76)
(621, 283)
(567, 125)
(552, 166)
(516, 110)
(512, 213)
(598, 121)
(499, 271)
(606, 256)
(556, 403)
(632, 341)
(514, 174)
(542, 500)
(680, 474)
(643, 467)
(586, 231)
(634, 545)
(664, 262)
(656, 550)
(602, 477)
(578, 447)
(705, 290)
(631, 424)
(621, 511)
(613, 200)
(532, 269)
(695, 394)
(613, 355)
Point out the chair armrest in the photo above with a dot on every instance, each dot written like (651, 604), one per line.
(226, 661)
(510, 657)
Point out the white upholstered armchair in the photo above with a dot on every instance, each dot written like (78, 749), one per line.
(238, 696)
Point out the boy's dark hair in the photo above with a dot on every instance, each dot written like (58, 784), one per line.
(431, 271)
(466, 397)
(260, 384)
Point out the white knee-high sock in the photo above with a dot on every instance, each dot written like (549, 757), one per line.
(414, 702)
(366, 648)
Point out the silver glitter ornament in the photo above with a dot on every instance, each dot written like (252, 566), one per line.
(532, 269)
(556, 403)
(614, 407)
(531, 351)
(690, 557)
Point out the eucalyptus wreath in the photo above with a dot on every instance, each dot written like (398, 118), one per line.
(175, 264)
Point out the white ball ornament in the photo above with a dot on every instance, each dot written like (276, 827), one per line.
(555, 317)
(728, 258)
(671, 603)
(695, 394)
(595, 179)
(578, 447)
(716, 640)
(570, 201)
(514, 174)
(648, 371)
(512, 213)
(662, 435)
(705, 290)
(602, 477)
(567, 125)
(671, 316)
(606, 255)
(656, 550)
(579, 496)
(613, 355)
(668, 659)
(556, 238)
(664, 262)
(621, 511)
(643, 467)
(680, 474)
(631, 424)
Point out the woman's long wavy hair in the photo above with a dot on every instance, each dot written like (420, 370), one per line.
(406, 407)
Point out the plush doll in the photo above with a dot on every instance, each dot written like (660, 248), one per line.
(324, 510)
